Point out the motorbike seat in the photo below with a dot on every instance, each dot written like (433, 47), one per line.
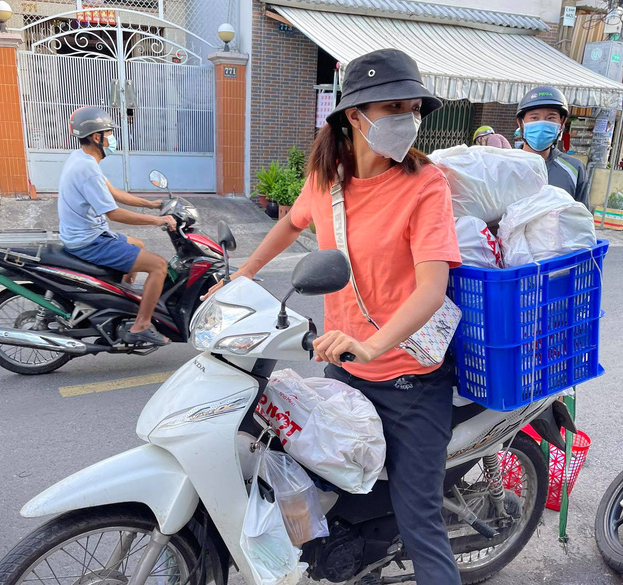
(56, 255)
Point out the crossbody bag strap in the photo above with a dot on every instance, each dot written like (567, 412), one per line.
(339, 230)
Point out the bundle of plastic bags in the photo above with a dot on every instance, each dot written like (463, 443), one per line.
(265, 541)
(548, 224)
(479, 247)
(485, 180)
(329, 427)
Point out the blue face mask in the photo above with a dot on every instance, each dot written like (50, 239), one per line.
(540, 135)
(112, 144)
(519, 144)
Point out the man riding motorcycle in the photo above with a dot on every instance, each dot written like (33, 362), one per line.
(86, 198)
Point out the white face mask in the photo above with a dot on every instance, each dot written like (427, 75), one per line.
(392, 136)
(112, 144)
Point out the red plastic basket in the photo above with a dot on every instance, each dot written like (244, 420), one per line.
(511, 469)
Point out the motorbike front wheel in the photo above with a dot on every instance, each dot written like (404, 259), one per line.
(99, 545)
(17, 312)
(608, 524)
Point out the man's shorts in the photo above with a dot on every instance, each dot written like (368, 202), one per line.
(111, 250)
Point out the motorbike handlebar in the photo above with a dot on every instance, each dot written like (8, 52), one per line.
(308, 345)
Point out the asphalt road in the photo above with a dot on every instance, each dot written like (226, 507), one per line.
(50, 428)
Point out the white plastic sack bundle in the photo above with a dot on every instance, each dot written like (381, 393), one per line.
(485, 180)
(273, 559)
(548, 224)
(296, 495)
(328, 427)
(478, 245)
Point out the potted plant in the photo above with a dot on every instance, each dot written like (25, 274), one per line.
(287, 188)
(266, 178)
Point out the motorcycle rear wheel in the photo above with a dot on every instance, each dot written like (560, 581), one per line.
(528, 460)
(608, 521)
(17, 312)
(99, 546)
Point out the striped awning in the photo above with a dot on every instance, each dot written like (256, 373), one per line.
(458, 62)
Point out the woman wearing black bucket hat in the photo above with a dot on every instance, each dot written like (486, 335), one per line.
(401, 240)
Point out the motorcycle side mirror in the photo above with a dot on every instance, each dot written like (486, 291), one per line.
(319, 273)
(228, 243)
(225, 237)
(158, 180)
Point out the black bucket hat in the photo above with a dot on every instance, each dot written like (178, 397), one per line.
(381, 76)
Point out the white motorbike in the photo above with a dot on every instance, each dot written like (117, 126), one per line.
(170, 512)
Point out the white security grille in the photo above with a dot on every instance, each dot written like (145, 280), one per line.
(52, 88)
(174, 110)
(174, 103)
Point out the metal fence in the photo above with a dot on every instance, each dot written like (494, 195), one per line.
(446, 127)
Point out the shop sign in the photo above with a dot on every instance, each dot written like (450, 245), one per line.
(569, 16)
(97, 17)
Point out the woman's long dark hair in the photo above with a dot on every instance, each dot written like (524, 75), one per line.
(333, 145)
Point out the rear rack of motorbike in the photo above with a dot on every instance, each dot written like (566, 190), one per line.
(12, 243)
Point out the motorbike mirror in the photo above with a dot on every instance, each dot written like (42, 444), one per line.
(225, 237)
(321, 272)
(158, 180)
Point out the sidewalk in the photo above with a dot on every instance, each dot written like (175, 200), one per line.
(247, 221)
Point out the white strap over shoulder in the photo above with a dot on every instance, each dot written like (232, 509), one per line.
(339, 229)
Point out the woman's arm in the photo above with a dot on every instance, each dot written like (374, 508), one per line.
(413, 314)
(276, 241)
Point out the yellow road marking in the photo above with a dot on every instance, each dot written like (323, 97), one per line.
(131, 382)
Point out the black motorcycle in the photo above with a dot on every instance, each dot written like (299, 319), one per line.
(55, 306)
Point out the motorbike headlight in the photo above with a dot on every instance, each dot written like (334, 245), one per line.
(212, 319)
(241, 344)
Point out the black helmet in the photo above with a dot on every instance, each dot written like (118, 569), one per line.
(89, 120)
(544, 96)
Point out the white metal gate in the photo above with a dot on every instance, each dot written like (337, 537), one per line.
(160, 90)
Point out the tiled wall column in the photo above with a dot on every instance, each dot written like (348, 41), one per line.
(13, 170)
(230, 73)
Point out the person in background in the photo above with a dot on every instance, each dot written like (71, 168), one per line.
(541, 117)
(517, 139)
(486, 136)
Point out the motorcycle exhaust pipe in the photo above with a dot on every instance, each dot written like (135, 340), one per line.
(42, 340)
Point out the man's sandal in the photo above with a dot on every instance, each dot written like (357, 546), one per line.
(148, 336)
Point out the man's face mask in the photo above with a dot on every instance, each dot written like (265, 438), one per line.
(392, 136)
(540, 135)
(112, 144)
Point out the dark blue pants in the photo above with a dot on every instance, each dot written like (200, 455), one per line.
(417, 422)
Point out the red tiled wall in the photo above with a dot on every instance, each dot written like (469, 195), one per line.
(230, 120)
(13, 173)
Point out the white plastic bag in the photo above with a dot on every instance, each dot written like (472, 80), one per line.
(478, 245)
(485, 180)
(296, 495)
(328, 427)
(548, 224)
(274, 560)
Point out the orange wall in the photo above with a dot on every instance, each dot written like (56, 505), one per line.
(230, 126)
(13, 173)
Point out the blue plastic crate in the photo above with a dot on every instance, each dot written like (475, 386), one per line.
(530, 331)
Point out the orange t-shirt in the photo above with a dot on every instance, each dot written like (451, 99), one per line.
(394, 221)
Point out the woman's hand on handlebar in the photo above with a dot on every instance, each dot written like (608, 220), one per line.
(240, 272)
(333, 344)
